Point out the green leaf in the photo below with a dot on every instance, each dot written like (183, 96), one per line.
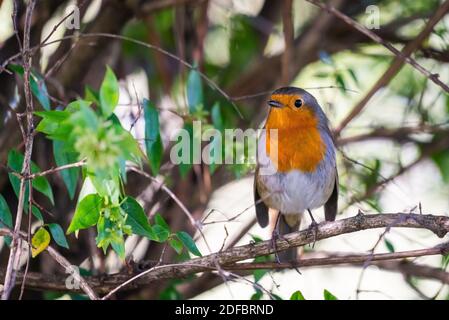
(63, 157)
(15, 161)
(52, 123)
(188, 242)
(257, 295)
(176, 245)
(77, 105)
(170, 293)
(389, 245)
(161, 233)
(109, 93)
(353, 76)
(153, 141)
(39, 90)
(160, 221)
(41, 184)
(119, 247)
(87, 213)
(322, 74)
(441, 159)
(341, 82)
(444, 261)
(5, 213)
(40, 241)
(37, 213)
(104, 227)
(259, 273)
(53, 115)
(37, 85)
(8, 241)
(138, 30)
(137, 219)
(58, 235)
(194, 90)
(184, 168)
(91, 95)
(256, 238)
(297, 295)
(216, 116)
(329, 296)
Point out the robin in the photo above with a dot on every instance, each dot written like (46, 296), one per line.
(296, 168)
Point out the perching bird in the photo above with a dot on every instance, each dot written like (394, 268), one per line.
(296, 168)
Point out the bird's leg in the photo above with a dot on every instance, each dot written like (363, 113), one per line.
(314, 226)
(274, 236)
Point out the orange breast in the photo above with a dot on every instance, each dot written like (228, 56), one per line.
(299, 144)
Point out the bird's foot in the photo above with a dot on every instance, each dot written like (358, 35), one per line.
(313, 228)
(274, 237)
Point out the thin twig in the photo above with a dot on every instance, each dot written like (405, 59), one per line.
(84, 285)
(287, 27)
(139, 105)
(75, 273)
(30, 215)
(11, 270)
(409, 48)
(398, 61)
(264, 93)
(209, 81)
(196, 224)
(57, 169)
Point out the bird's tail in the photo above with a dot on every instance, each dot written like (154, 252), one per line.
(288, 224)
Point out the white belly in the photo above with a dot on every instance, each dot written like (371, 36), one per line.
(294, 192)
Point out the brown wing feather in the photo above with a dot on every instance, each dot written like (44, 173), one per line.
(261, 208)
(331, 206)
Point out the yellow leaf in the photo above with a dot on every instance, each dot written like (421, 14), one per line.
(40, 241)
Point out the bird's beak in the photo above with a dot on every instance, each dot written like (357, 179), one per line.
(275, 104)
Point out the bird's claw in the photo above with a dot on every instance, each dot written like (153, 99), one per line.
(313, 227)
(274, 237)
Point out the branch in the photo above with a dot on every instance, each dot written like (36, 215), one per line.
(57, 169)
(426, 151)
(228, 259)
(100, 35)
(14, 253)
(397, 63)
(384, 261)
(403, 55)
(416, 270)
(401, 134)
(84, 285)
(357, 259)
(68, 266)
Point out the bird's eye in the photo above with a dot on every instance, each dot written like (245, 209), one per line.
(298, 103)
